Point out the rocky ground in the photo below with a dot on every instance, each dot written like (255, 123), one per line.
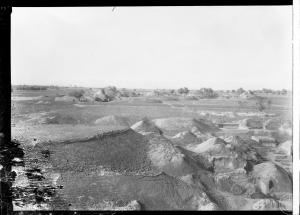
(172, 163)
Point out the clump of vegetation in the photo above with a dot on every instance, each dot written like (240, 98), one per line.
(30, 87)
(262, 103)
(129, 93)
(76, 93)
(240, 91)
(191, 98)
(111, 92)
(183, 90)
(270, 91)
(207, 93)
(107, 94)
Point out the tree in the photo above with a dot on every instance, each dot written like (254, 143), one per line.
(76, 93)
(240, 91)
(251, 92)
(111, 92)
(207, 93)
(183, 90)
(100, 96)
(172, 91)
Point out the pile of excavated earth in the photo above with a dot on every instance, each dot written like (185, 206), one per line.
(172, 164)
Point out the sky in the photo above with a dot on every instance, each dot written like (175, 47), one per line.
(222, 47)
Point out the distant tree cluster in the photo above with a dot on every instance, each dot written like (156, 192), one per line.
(183, 90)
(76, 93)
(129, 93)
(107, 94)
(30, 87)
(207, 93)
(264, 90)
(111, 92)
(270, 91)
(240, 91)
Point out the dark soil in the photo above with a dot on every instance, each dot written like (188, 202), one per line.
(160, 192)
(124, 151)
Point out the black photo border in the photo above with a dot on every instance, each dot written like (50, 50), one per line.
(6, 9)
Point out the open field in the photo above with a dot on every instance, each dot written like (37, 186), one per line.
(151, 153)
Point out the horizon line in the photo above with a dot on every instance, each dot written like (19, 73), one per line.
(77, 86)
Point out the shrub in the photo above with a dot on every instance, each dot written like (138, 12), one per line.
(76, 93)
(191, 98)
(111, 92)
(207, 93)
(262, 103)
(128, 93)
(183, 90)
(100, 96)
(30, 87)
(240, 91)
(283, 92)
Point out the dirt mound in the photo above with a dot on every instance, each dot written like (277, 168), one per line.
(120, 151)
(245, 148)
(267, 204)
(178, 124)
(287, 147)
(265, 140)
(251, 123)
(281, 137)
(200, 135)
(234, 153)
(186, 137)
(240, 141)
(235, 182)
(112, 120)
(272, 124)
(159, 192)
(213, 145)
(167, 158)
(198, 160)
(43, 102)
(271, 179)
(145, 127)
(286, 128)
(164, 192)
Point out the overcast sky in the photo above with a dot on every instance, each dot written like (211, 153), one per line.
(154, 47)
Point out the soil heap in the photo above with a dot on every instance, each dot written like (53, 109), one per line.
(146, 126)
(174, 125)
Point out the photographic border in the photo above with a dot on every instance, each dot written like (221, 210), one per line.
(6, 9)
